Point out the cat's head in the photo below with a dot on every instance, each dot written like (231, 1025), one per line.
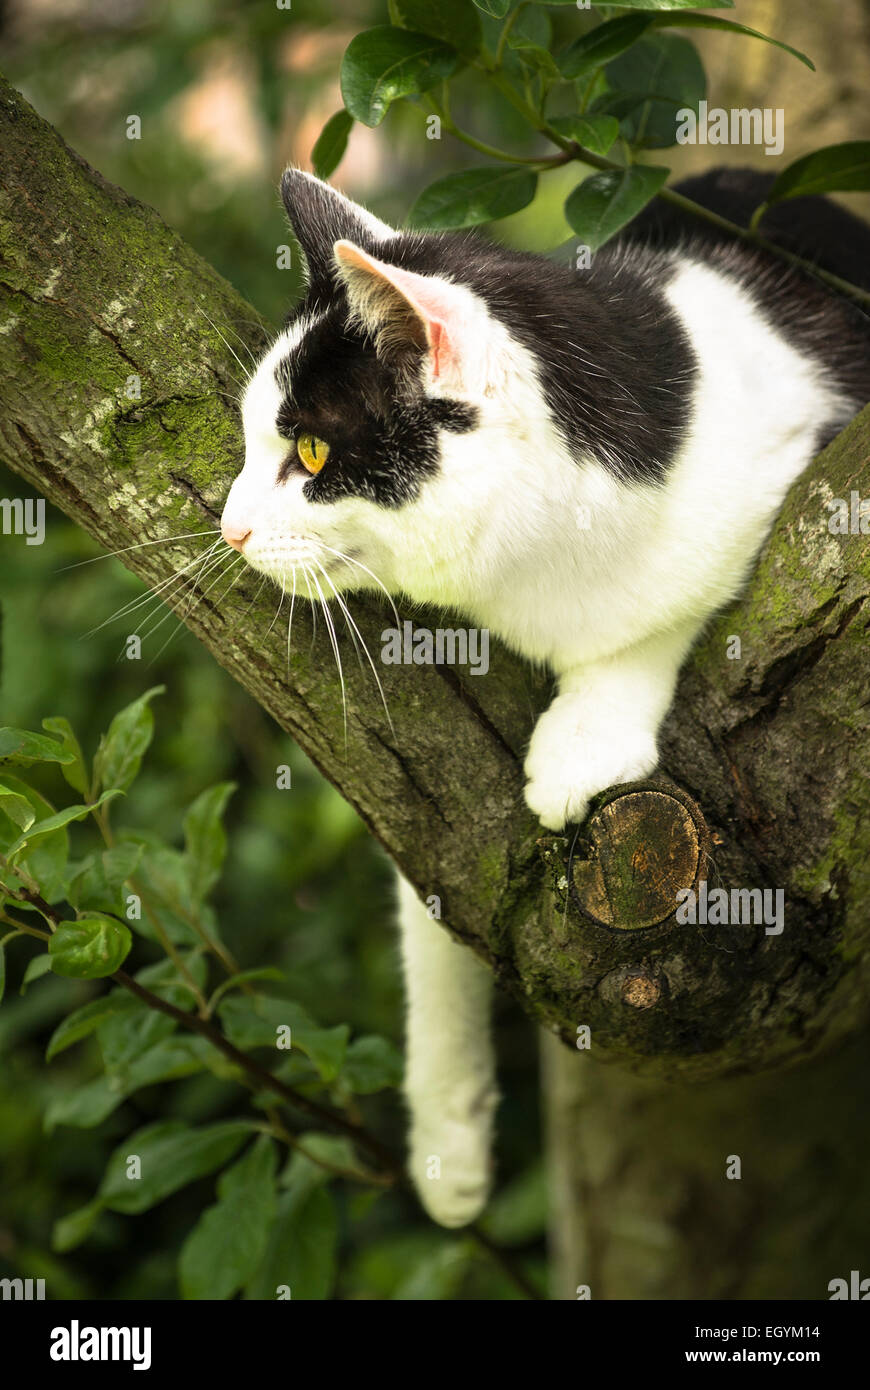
(397, 427)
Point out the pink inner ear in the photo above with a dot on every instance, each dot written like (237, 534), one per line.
(429, 299)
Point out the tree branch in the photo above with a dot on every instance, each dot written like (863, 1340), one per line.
(772, 746)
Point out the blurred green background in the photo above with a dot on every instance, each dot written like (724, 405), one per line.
(228, 93)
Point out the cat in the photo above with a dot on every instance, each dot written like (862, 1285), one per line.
(583, 462)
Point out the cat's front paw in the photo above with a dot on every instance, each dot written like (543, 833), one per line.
(450, 1159)
(567, 765)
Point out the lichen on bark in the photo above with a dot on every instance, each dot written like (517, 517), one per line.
(772, 747)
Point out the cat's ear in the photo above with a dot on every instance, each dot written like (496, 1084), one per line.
(403, 311)
(320, 216)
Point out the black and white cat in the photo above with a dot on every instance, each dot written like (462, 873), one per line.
(583, 462)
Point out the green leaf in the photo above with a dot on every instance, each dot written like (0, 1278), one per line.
(205, 839)
(605, 202)
(22, 748)
(538, 59)
(85, 1020)
(439, 1276)
(75, 772)
(170, 1155)
(264, 972)
(121, 749)
(71, 1230)
(454, 21)
(255, 1023)
(659, 76)
(169, 1059)
(83, 1106)
(371, 1064)
(331, 143)
(835, 169)
(98, 883)
(531, 29)
(518, 1213)
(614, 36)
(472, 197)
(668, 5)
(301, 1251)
(90, 948)
(228, 1242)
(316, 1149)
(602, 44)
(126, 1035)
(530, 37)
(164, 979)
(2, 970)
(595, 133)
(163, 875)
(496, 9)
(705, 21)
(17, 807)
(383, 64)
(36, 968)
(57, 821)
(47, 863)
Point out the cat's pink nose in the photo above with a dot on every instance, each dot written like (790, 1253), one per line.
(235, 535)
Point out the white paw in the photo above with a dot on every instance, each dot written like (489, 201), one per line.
(450, 1160)
(567, 765)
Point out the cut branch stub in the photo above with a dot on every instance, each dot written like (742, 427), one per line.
(771, 732)
(642, 845)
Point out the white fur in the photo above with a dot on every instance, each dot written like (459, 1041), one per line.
(449, 1067)
(605, 582)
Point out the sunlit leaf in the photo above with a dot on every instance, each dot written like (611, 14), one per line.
(605, 202)
(383, 64)
(89, 948)
(472, 197)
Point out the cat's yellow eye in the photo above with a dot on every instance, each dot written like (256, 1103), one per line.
(313, 452)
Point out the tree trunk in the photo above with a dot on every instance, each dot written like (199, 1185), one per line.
(648, 1202)
(766, 750)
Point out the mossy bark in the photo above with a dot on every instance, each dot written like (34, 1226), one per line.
(765, 755)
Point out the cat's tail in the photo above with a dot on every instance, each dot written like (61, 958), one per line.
(449, 1065)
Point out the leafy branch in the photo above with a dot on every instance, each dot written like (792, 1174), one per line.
(87, 914)
(617, 91)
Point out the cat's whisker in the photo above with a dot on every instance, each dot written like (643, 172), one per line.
(355, 633)
(163, 540)
(360, 566)
(256, 595)
(128, 608)
(204, 569)
(226, 342)
(236, 334)
(335, 649)
(215, 564)
(280, 602)
(290, 619)
(181, 621)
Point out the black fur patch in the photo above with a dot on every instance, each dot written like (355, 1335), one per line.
(809, 315)
(615, 365)
(383, 438)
